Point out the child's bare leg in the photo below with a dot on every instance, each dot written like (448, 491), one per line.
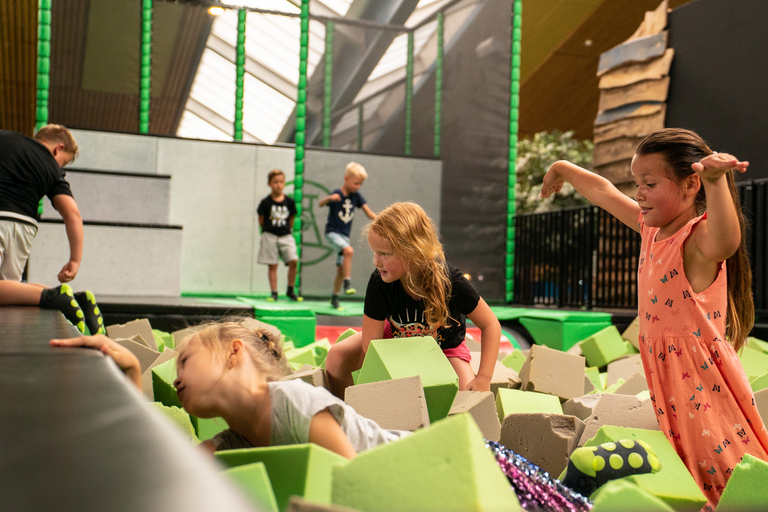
(338, 280)
(463, 370)
(291, 273)
(343, 358)
(272, 273)
(14, 293)
(346, 263)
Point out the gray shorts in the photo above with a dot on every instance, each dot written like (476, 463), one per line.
(15, 243)
(338, 242)
(273, 247)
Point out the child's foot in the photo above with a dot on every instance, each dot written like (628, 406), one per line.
(93, 319)
(590, 467)
(63, 299)
(335, 302)
(273, 297)
(292, 295)
(348, 290)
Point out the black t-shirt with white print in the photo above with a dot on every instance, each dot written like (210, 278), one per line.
(277, 215)
(389, 301)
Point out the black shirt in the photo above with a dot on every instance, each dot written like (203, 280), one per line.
(277, 216)
(28, 172)
(389, 301)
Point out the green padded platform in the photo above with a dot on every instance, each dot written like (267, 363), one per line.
(745, 489)
(253, 480)
(405, 357)
(562, 329)
(673, 484)
(302, 469)
(445, 467)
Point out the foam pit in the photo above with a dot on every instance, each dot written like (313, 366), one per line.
(513, 401)
(502, 377)
(547, 440)
(397, 404)
(605, 346)
(253, 480)
(621, 411)
(745, 489)
(139, 326)
(553, 372)
(624, 496)
(481, 405)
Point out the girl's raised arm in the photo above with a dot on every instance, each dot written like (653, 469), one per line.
(490, 339)
(598, 191)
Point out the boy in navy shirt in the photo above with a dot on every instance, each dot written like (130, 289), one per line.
(341, 207)
(276, 214)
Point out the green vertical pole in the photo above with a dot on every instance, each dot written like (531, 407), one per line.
(408, 93)
(328, 89)
(43, 69)
(301, 123)
(43, 62)
(360, 127)
(438, 82)
(146, 65)
(239, 74)
(514, 110)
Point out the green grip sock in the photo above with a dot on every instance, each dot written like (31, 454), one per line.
(63, 299)
(590, 467)
(93, 319)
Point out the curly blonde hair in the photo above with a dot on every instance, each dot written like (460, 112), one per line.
(412, 235)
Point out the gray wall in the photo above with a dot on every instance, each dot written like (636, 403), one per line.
(215, 189)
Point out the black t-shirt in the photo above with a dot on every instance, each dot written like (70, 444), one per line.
(340, 213)
(389, 301)
(277, 216)
(28, 172)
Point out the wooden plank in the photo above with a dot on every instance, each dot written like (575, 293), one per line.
(617, 172)
(653, 69)
(647, 90)
(637, 126)
(654, 21)
(614, 150)
(637, 50)
(643, 108)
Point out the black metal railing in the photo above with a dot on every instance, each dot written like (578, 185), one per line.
(584, 257)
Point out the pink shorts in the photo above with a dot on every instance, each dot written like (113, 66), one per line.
(461, 351)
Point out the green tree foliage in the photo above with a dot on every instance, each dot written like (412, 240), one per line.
(535, 156)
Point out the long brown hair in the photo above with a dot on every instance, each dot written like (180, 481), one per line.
(413, 237)
(680, 149)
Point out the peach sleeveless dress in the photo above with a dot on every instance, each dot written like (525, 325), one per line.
(704, 403)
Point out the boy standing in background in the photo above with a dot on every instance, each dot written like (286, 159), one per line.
(341, 207)
(276, 214)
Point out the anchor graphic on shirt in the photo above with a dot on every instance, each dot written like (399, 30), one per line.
(347, 213)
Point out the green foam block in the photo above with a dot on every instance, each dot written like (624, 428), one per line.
(745, 489)
(253, 480)
(398, 358)
(755, 362)
(163, 339)
(303, 469)
(443, 467)
(673, 484)
(163, 376)
(513, 401)
(593, 374)
(179, 417)
(605, 346)
(621, 495)
(514, 360)
(759, 383)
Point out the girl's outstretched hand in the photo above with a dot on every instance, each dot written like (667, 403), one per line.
(710, 168)
(121, 355)
(553, 182)
(479, 383)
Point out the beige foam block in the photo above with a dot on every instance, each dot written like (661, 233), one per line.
(588, 385)
(574, 350)
(481, 405)
(581, 406)
(553, 372)
(146, 376)
(503, 377)
(314, 376)
(619, 411)
(143, 353)
(129, 329)
(398, 404)
(299, 504)
(634, 385)
(623, 368)
(761, 401)
(472, 345)
(632, 333)
(545, 439)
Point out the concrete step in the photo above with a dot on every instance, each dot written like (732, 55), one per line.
(109, 196)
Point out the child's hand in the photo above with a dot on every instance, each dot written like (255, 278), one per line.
(335, 198)
(715, 165)
(553, 182)
(121, 355)
(479, 383)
